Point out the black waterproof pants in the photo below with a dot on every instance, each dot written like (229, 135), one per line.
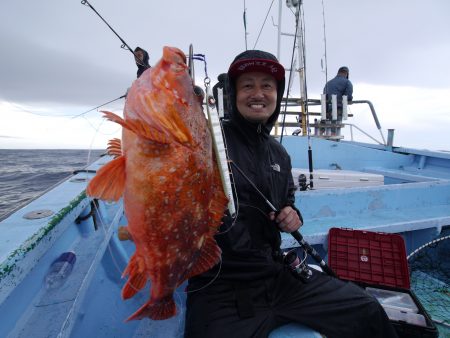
(330, 306)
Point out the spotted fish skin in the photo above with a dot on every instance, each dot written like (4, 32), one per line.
(166, 171)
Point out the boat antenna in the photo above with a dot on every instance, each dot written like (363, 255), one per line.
(303, 86)
(291, 71)
(264, 23)
(103, 104)
(325, 43)
(245, 25)
(124, 44)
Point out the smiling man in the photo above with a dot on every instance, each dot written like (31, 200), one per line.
(251, 292)
(256, 96)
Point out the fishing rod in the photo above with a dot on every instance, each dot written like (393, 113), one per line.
(302, 54)
(103, 104)
(124, 44)
(296, 234)
(308, 130)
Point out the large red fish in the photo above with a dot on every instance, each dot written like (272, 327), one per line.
(170, 182)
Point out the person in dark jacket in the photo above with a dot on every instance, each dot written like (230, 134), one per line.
(251, 291)
(339, 85)
(141, 57)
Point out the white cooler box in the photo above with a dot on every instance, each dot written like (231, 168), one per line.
(328, 179)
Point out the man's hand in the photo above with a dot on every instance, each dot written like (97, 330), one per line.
(287, 220)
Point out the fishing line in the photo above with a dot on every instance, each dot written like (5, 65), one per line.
(211, 281)
(124, 44)
(108, 225)
(103, 104)
(104, 226)
(97, 129)
(265, 19)
(179, 301)
(24, 110)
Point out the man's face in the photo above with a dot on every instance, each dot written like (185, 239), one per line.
(256, 96)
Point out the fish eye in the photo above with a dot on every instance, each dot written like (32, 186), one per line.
(198, 91)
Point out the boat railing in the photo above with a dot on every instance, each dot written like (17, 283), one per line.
(351, 125)
(296, 102)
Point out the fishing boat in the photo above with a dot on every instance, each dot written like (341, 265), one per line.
(366, 186)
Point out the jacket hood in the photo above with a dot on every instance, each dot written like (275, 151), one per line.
(142, 66)
(255, 61)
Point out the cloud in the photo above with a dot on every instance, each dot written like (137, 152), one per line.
(6, 136)
(42, 74)
(59, 58)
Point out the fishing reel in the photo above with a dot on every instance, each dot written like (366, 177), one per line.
(297, 266)
(302, 185)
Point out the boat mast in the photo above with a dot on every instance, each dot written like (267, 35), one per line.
(295, 4)
(300, 41)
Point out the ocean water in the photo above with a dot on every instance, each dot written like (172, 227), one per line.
(27, 173)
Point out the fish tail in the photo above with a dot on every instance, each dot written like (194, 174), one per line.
(160, 310)
(109, 183)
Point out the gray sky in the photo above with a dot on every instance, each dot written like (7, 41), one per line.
(58, 58)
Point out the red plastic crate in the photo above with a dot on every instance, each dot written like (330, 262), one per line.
(368, 257)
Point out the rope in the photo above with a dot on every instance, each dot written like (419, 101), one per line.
(426, 245)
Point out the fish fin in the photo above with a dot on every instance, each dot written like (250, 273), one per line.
(138, 127)
(168, 123)
(160, 310)
(138, 278)
(124, 234)
(114, 147)
(218, 203)
(209, 256)
(217, 208)
(109, 182)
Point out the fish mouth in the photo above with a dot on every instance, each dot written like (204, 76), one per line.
(175, 56)
(181, 55)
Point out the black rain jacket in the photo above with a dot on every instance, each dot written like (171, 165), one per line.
(251, 243)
